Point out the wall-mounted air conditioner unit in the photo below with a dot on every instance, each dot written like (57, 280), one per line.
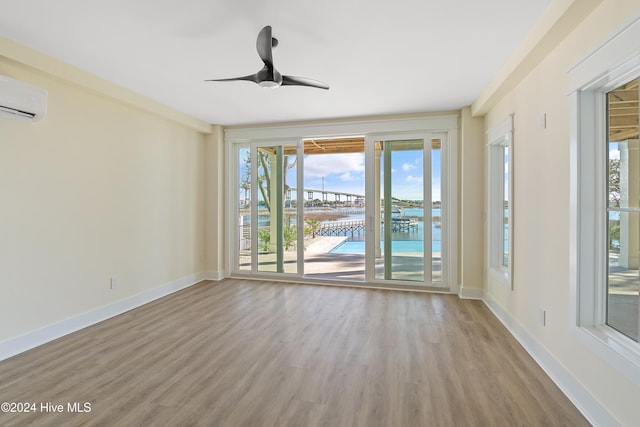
(21, 101)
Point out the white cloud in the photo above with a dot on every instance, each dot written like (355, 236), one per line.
(407, 167)
(411, 178)
(343, 165)
(614, 153)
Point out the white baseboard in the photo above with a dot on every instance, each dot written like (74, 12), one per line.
(56, 330)
(595, 413)
(214, 275)
(471, 293)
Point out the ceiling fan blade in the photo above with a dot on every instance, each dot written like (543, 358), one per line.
(250, 78)
(264, 44)
(268, 76)
(302, 81)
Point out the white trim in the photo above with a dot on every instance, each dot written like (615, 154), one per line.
(449, 213)
(341, 129)
(215, 276)
(609, 62)
(471, 293)
(497, 139)
(603, 343)
(593, 411)
(300, 207)
(17, 345)
(499, 133)
(427, 196)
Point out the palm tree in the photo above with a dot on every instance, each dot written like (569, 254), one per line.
(313, 226)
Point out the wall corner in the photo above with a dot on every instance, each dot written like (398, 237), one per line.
(215, 170)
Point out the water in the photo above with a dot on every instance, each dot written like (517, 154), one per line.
(397, 246)
(412, 241)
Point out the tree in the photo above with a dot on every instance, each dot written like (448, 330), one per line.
(290, 236)
(264, 239)
(614, 201)
(265, 175)
(313, 226)
(614, 183)
(245, 180)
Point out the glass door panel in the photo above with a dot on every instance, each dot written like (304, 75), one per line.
(436, 211)
(276, 209)
(400, 215)
(334, 207)
(244, 209)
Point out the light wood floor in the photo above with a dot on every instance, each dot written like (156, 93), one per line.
(249, 353)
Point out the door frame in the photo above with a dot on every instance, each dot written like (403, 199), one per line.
(444, 125)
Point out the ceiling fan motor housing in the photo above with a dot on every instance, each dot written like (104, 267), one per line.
(269, 77)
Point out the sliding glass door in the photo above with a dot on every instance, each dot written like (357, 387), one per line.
(363, 209)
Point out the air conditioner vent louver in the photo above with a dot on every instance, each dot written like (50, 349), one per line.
(21, 101)
(17, 112)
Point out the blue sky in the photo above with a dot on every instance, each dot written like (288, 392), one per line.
(345, 172)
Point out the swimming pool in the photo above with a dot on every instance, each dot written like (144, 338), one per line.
(357, 246)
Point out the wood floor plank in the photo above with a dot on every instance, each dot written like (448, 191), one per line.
(256, 353)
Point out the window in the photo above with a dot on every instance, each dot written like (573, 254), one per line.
(623, 210)
(605, 201)
(500, 144)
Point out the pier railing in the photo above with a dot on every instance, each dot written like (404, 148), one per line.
(341, 228)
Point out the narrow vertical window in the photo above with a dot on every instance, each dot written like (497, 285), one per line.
(500, 145)
(604, 200)
(506, 164)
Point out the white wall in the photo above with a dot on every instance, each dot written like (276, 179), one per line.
(97, 189)
(541, 175)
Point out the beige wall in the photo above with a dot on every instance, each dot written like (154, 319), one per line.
(101, 188)
(541, 174)
(215, 182)
(97, 189)
(471, 204)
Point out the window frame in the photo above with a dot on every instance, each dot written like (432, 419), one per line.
(610, 65)
(499, 138)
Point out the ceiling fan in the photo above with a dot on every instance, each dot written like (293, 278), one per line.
(268, 76)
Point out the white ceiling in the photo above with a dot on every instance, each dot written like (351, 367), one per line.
(379, 57)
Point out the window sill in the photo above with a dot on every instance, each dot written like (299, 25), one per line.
(501, 276)
(616, 349)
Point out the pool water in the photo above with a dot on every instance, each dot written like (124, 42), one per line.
(412, 241)
(357, 246)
